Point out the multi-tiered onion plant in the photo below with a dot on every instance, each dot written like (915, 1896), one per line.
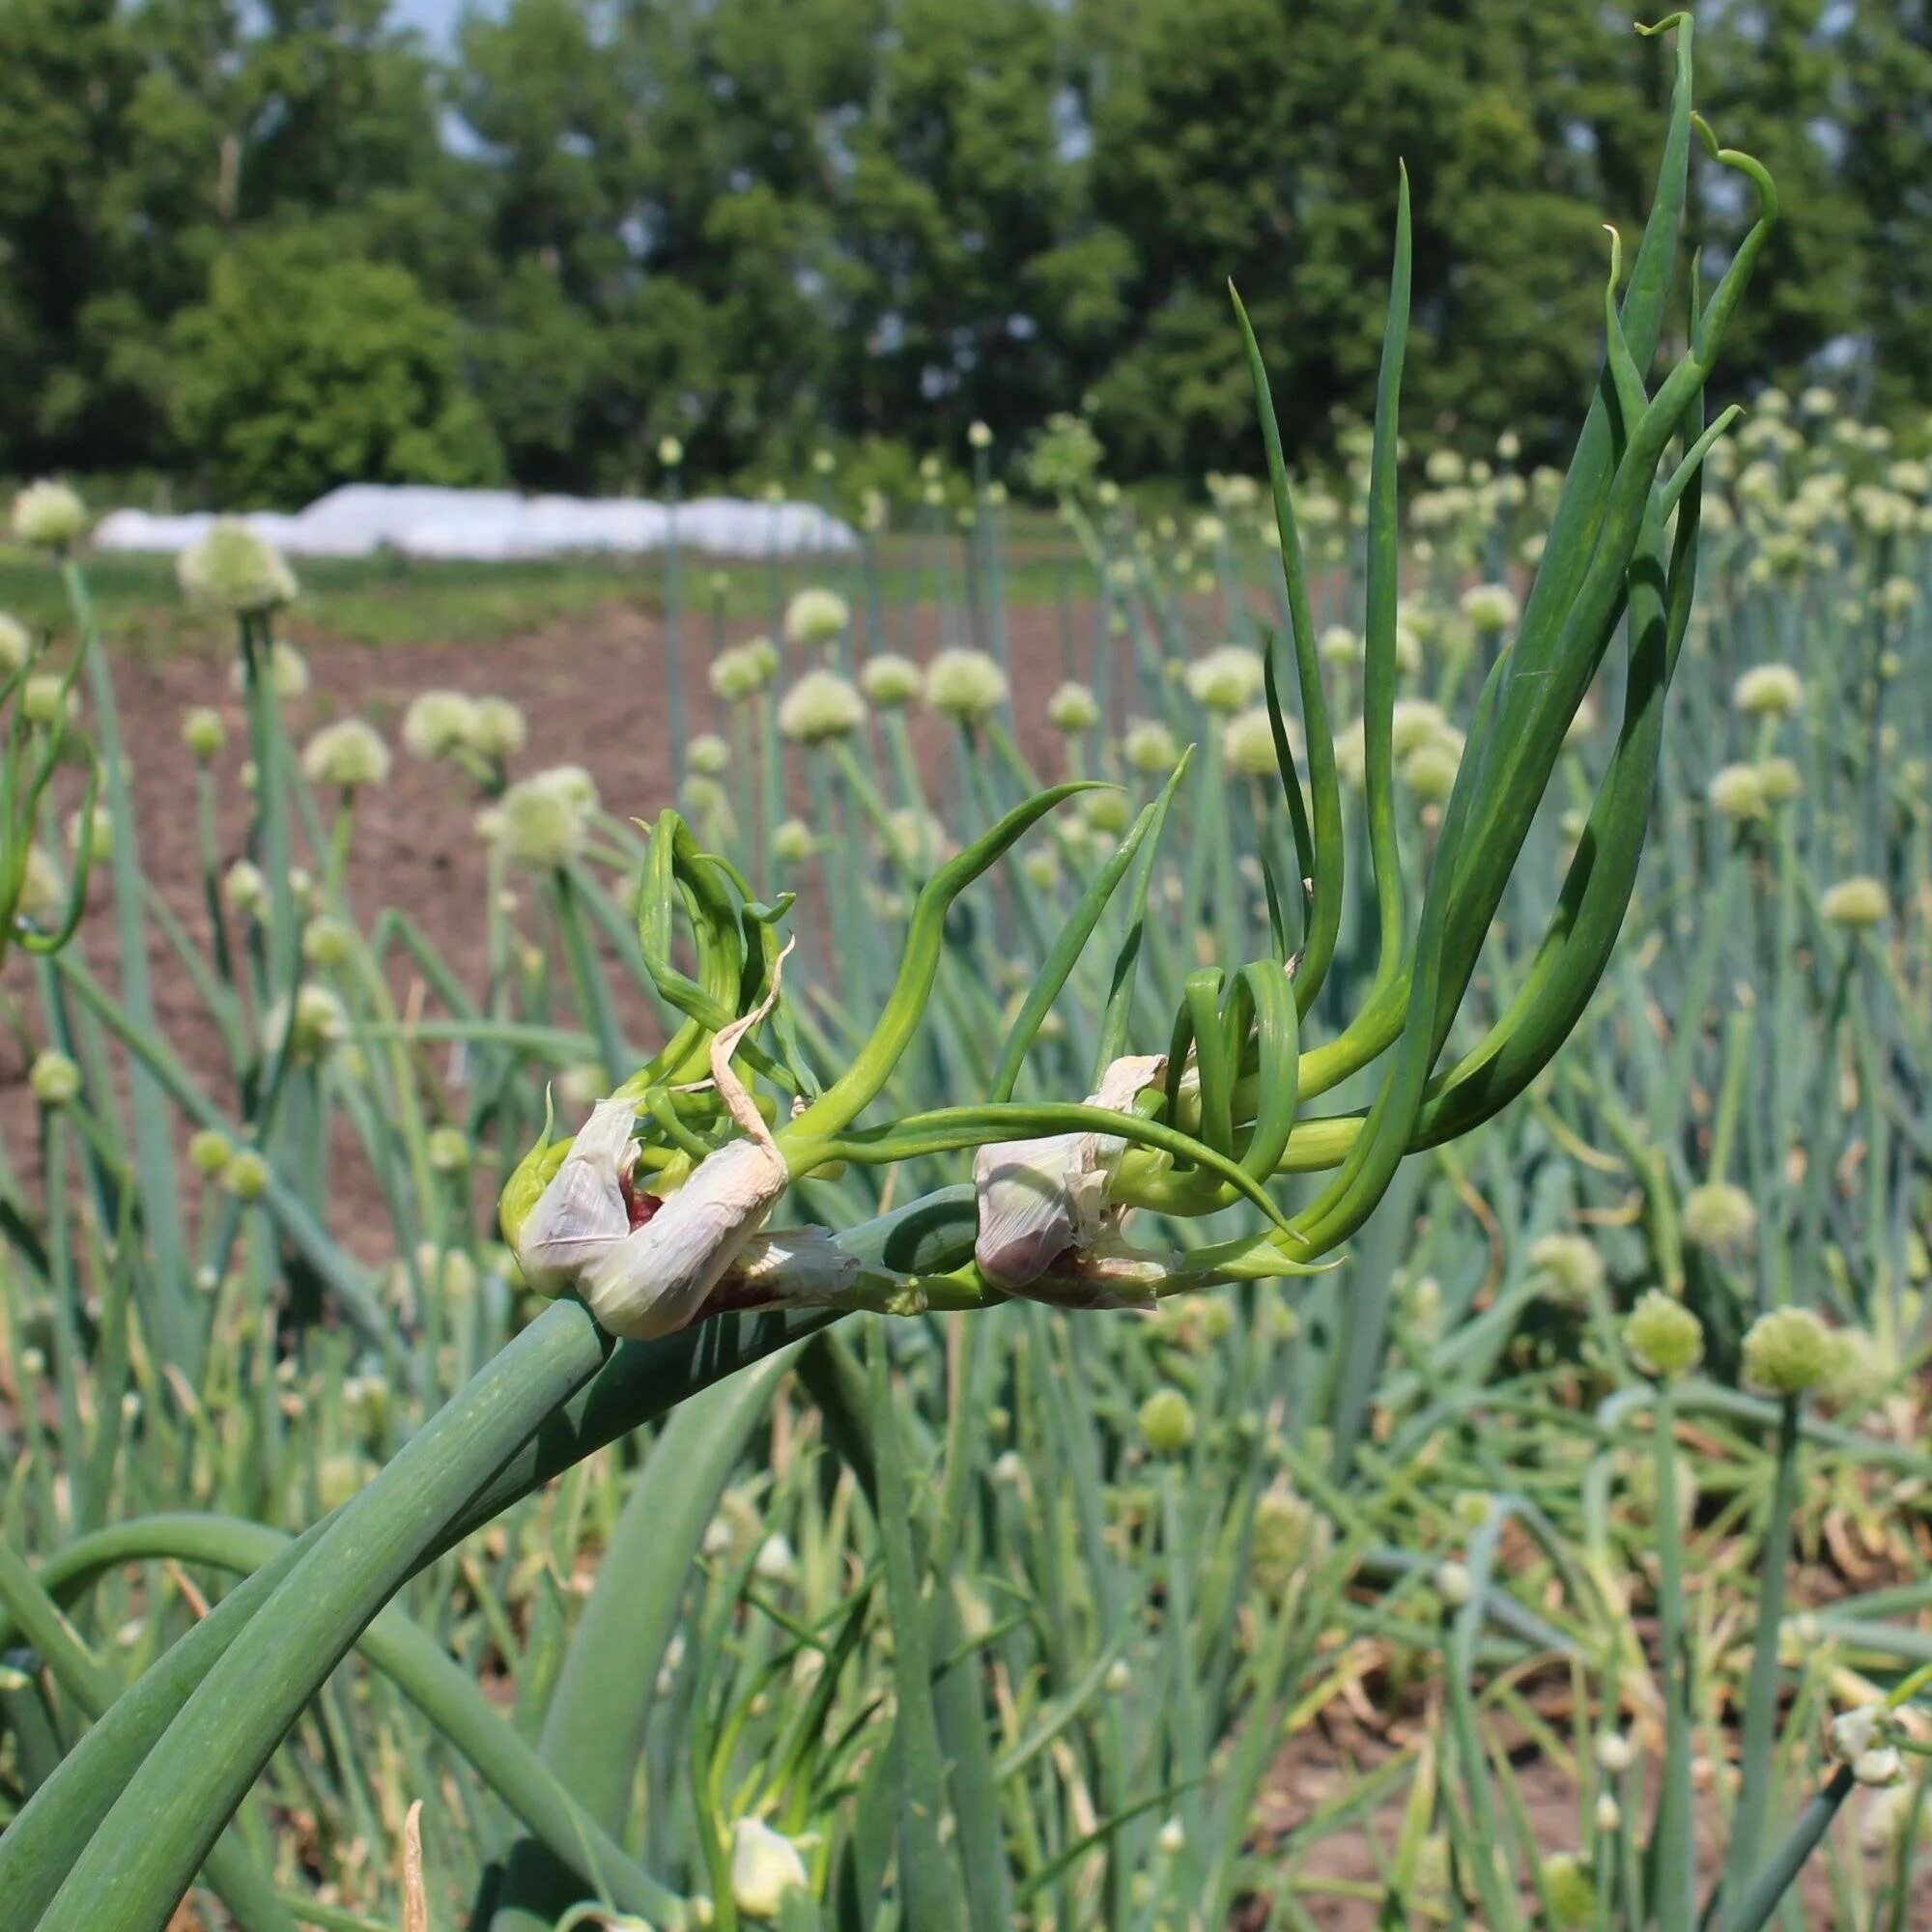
(650, 1229)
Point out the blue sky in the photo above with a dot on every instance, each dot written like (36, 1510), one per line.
(434, 18)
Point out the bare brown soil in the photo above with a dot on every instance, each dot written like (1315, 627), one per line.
(1336, 1874)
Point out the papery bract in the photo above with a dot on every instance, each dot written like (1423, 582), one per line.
(1040, 1199)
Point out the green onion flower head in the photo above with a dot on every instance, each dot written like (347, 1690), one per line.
(48, 515)
(792, 842)
(1339, 645)
(1148, 746)
(776, 1562)
(203, 733)
(743, 670)
(1896, 597)
(54, 1078)
(1247, 744)
(346, 755)
(1105, 812)
(917, 835)
(1664, 1338)
(246, 1176)
(244, 888)
(327, 944)
(1862, 1367)
(439, 724)
(890, 680)
(320, 1024)
(1856, 904)
(1570, 1260)
(1769, 690)
(1491, 607)
(1226, 678)
(1570, 1889)
(498, 730)
(338, 1477)
(574, 783)
(540, 821)
(1072, 708)
(1429, 771)
(16, 646)
(819, 707)
(1167, 1422)
(815, 617)
(448, 1271)
(1064, 457)
(1416, 722)
(1787, 1352)
(710, 755)
(43, 698)
(964, 685)
(1719, 1216)
(447, 1149)
(1283, 1523)
(583, 1083)
(1737, 793)
(207, 1150)
(1908, 475)
(705, 796)
(234, 570)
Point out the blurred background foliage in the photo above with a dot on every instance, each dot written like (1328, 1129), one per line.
(256, 249)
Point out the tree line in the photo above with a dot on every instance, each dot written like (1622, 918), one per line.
(258, 248)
